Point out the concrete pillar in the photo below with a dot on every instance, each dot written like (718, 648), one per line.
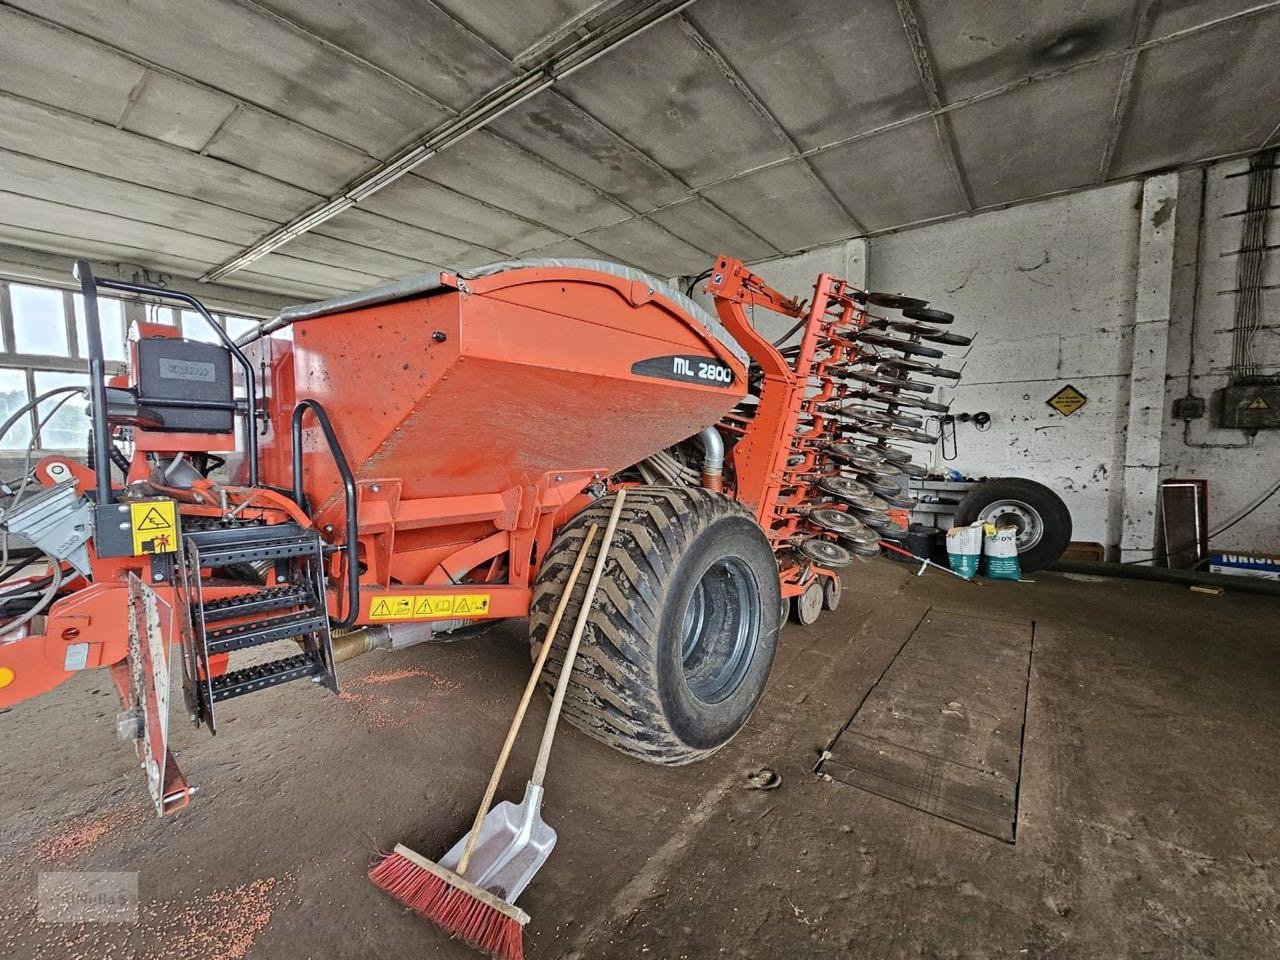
(135, 312)
(856, 265)
(1152, 310)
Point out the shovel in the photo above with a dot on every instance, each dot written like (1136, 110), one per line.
(503, 851)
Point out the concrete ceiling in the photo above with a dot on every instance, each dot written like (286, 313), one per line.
(225, 139)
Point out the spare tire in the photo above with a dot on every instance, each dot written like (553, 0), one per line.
(1042, 519)
(681, 638)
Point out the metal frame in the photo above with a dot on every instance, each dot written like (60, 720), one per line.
(580, 49)
(97, 384)
(766, 480)
(76, 359)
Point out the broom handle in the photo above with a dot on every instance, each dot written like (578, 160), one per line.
(562, 685)
(532, 685)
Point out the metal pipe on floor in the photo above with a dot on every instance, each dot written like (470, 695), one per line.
(1190, 578)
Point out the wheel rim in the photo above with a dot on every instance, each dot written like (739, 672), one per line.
(809, 604)
(832, 590)
(719, 630)
(1015, 513)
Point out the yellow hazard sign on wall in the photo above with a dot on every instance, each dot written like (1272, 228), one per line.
(430, 607)
(155, 527)
(1067, 400)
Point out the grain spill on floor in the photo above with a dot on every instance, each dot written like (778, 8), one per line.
(71, 840)
(381, 705)
(222, 925)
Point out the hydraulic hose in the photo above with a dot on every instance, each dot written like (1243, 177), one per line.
(17, 414)
(55, 582)
(26, 463)
(1241, 584)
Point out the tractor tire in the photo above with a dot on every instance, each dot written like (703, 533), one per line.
(1042, 519)
(681, 637)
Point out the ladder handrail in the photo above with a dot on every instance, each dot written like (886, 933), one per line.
(352, 545)
(89, 286)
(97, 381)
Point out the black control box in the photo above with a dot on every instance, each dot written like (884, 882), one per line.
(1250, 406)
(1189, 408)
(172, 369)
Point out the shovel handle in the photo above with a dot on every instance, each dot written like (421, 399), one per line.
(532, 685)
(562, 684)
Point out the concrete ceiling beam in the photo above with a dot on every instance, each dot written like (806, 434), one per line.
(583, 49)
(929, 80)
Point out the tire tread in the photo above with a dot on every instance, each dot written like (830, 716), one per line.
(613, 690)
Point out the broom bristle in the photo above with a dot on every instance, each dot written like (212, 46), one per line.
(453, 910)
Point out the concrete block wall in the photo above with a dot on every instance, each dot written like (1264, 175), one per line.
(1092, 289)
(1047, 290)
(1200, 344)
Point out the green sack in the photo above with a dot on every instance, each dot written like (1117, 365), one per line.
(964, 547)
(1000, 551)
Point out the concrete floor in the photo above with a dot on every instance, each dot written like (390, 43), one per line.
(1147, 817)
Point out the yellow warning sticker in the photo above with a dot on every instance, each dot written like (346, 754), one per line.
(155, 527)
(391, 608)
(430, 607)
(1257, 403)
(1067, 400)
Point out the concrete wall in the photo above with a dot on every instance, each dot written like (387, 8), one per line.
(1058, 292)
(1047, 290)
(1200, 343)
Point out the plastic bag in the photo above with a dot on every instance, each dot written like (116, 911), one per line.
(1000, 549)
(964, 546)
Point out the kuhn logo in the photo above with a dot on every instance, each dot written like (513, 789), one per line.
(196, 370)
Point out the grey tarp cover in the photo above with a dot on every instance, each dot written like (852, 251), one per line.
(427, 282)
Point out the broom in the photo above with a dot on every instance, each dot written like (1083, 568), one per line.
(461, 908)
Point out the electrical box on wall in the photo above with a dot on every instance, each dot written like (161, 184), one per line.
(1188, 408)
(1250, 406)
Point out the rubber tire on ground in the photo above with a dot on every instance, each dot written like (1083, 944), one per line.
(628, 687)
(1055, 518)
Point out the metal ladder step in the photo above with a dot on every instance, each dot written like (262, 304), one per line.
(292, 608)
(226, 554)
(263, 600)
(237, 683)
(254, 633)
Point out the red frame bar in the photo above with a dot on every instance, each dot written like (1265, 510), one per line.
(767, 481)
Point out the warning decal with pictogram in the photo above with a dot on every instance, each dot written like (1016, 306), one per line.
(155, 527)
(1067, 400)
(430, 607)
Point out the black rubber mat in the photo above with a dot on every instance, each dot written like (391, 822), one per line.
(941, 730)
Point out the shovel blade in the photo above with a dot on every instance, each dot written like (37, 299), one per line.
(513, 844)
